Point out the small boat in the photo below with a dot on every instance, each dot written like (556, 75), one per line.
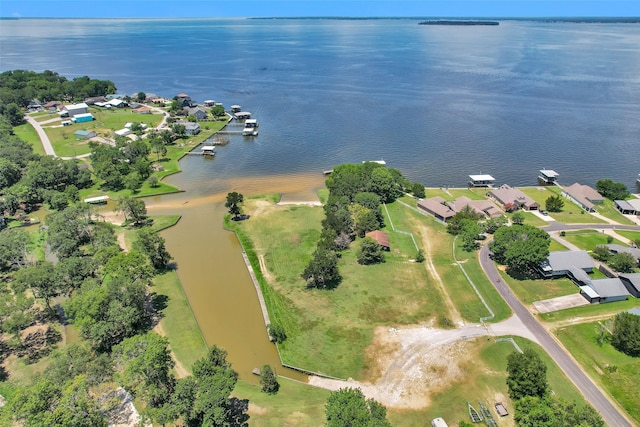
(473, 414)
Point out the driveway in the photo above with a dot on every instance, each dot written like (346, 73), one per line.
(48, 148)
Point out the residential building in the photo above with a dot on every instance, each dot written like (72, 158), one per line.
(380, 237)
(437, 207)
(628, 207)
(76, 109)
(632, 282)
(583, 195)
(198, 112)
(84, 134)
(512, 198)
(190, 128)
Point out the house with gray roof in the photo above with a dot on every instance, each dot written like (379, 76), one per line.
(512, 198)
(575, 264)
(190, 128)
(583, 196)
(615, 249)
(198, 112)
(632, 282)
(605, 290)
(628, 207)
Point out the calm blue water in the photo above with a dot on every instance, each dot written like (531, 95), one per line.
(437, 102)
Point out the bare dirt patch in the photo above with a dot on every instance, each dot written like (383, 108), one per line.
(257, 410)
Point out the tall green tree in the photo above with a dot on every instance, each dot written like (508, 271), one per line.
(233, 203)
(13, 248)
(152, 245)
(521, 248)
(132, 208)
(626, 334)
(370, 252)
(41, 279)
(527, 375)
(612, 190)
(322, 271)
(554, 203)
(349, 407)
(268, 380)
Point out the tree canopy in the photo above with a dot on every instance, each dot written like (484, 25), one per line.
(554, 203)
(349, 407)
(527, 375)
(521, 248)
(612, 190)
(626, 334)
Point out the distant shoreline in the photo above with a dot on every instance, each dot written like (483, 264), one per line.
(457, 22)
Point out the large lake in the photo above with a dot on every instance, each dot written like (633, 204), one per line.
(437, 102)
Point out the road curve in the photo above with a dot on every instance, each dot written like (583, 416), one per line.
(611, 415)
(48, 148)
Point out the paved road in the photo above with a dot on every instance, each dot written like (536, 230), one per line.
(48, 148)
(559, 226)
(611, 415)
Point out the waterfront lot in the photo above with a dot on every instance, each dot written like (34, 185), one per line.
(571, 213)
(321, 324)
(616, 372)
(528, 290)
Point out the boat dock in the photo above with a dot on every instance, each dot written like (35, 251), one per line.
(206, 150)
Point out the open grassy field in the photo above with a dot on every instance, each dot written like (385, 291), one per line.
(27, 133)
(616, 372)
(529, 291)
(588, 239)
(321, 324)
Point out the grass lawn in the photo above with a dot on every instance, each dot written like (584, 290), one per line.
(473, 308)
(27, 133)
(294, 404)
(178, 322)
(321, 324)
(556, 246)
(608, 209)
(588, 239)
(591, 310)
(571, 213)
(532, 219)
(616, 372)
(631, 235)
(529, 291)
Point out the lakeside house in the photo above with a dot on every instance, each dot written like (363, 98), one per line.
(185, 100)
(52, 105)
(628, 207)
(117, 103)
(150, 97)
(513, 198)
(583, 196)
(577, 265)
(190, 128)
(444, 210)
(381, 238)
(198, 112)
(141, 110)
(616, 249)
(437, 207)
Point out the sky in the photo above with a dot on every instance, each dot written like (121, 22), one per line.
(311, 8)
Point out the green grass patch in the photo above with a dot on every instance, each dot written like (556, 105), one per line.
(532, 219)
(616, 372)
(178, 322)
(529, 290)
(160, 222)
(554, 245)
(588, 239)
(608, 210)
(571, 213)
(590, 310)
(295, 404)
(472, 267)
(27, 133)
(631, 235)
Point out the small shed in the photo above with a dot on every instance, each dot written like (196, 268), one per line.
(123, 132)
(501, 410)
(84, 134)
(381, 238)
(83, 118)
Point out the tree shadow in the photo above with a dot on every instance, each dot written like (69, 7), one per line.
(238, 412)
(241, 217)
(159, 302)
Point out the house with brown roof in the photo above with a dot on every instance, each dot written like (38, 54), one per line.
(380, 237)
(583, 196)
(436, 206)
(512, 198)
(483, 207)
(141, 110)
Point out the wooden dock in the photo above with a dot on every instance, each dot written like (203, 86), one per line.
(200, 153)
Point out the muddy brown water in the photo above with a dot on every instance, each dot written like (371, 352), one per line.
(212, 270)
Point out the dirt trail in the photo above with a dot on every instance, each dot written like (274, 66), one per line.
(426, 235)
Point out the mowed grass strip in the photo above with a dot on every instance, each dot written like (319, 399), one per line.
(586, 312)
(27, 133)
(329, 330)
(528, 290)
(616, 372)
(631, 235)
(588, 239)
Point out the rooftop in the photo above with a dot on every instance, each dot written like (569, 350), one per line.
(481, 178)
(549, 173)
(609, 287)
(564, 260)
